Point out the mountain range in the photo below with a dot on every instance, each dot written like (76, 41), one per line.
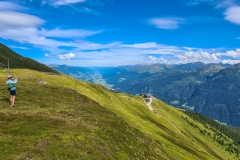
(209, 89)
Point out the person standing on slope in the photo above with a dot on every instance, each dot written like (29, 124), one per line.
(10, 82)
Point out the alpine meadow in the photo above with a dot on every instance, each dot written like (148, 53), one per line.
(60, 117)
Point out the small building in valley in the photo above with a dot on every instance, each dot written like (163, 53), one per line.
(145, 95)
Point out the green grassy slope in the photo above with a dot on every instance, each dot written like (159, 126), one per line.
(18, 61)
(70, 119)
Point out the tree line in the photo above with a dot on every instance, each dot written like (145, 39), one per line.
(223, 135)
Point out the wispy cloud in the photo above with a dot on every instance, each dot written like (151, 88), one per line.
(214, 3)
(19, 47)
(119, 53)
(71, 33)
(26, 28)
(166, 23)
(90, 2)
(224, 3)
(141, 45)
(194, 2)
(31, 36)
(231, 7)
(232, 14)
(39, 38)
(81, 6)
(152, 48)
(67, 2)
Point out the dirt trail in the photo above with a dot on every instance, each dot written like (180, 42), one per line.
(148, 102)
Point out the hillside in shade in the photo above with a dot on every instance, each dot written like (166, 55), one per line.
(18, 61)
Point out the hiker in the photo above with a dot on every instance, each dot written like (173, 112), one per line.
(10, 82)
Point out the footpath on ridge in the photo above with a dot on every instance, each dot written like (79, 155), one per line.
(148, 102)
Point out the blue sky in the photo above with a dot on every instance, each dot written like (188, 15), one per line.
(120, 32)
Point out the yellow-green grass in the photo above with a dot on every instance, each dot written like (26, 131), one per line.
(59, 123)
(100, 124)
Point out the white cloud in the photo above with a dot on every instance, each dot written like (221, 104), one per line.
(11, 20)
(196, 56)
(66, 56)
(228, 61)
(166, 23)
(232, 14)
(234, 54)
(67, 2)
(230, 53)
(151, 58)
(227, 57)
